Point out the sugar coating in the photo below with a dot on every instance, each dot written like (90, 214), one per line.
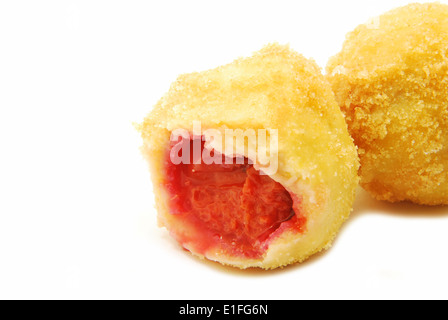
(391, 82)
(276, 88)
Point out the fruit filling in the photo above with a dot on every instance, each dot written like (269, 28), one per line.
(230, 207)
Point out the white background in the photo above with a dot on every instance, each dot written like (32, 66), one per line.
(76, 205)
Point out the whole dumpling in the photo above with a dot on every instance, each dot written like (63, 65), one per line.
(391, 82)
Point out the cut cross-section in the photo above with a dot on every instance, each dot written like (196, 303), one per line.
(231, 207)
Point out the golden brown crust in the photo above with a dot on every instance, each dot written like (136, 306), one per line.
(391, 82)
(276, 88)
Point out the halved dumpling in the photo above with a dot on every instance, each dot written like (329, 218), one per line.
(252, 163)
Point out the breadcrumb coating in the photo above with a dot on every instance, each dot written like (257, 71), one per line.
(276, 88)
(391, 82)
